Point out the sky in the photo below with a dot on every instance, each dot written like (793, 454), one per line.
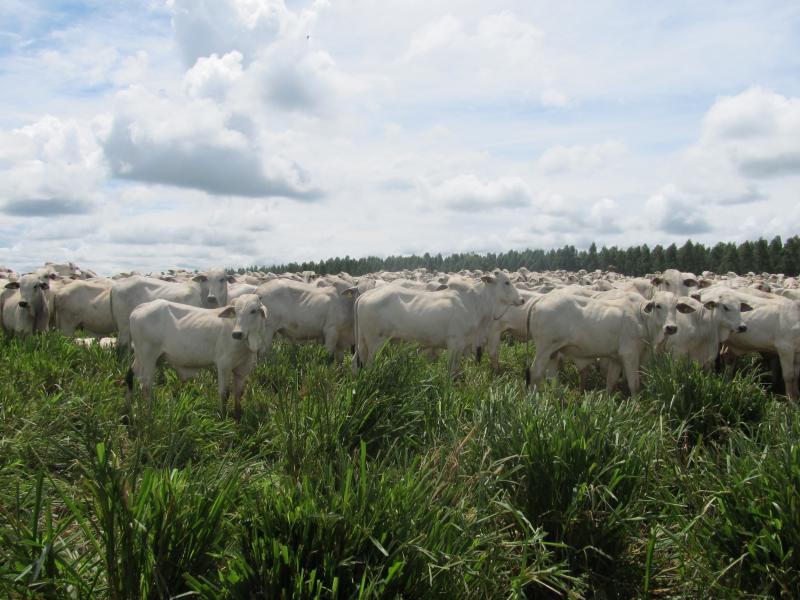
(153, 134)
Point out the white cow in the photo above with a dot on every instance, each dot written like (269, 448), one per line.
(304, 312)
(206, 290)
(621, 329)
(455, 318)
(772, 326)
(191, 338)
(84, 304)
(26, 311)
(701, 332)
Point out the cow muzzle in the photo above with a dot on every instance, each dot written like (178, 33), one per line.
(670, 329)
(212, 300)
(519, 302)
(23, 304)
(741, 328)
(238, 335)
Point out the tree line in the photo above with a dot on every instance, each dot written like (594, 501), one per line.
(775, 256)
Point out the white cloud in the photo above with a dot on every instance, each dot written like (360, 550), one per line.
(51, 167)
(671, 211)
(468, 193)
(757, 131)
(580, 158)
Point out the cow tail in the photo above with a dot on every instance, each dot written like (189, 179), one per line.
(129, 379)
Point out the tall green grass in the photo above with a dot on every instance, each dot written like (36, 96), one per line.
(397, 483)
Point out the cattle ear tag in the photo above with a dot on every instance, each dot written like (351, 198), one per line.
(199, 278)
(648, 308)
(228, 312)
(744, 307)
(12, 285)
(710, 305)
(684, 308)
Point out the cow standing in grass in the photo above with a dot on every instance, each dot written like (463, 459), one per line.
(191, 338)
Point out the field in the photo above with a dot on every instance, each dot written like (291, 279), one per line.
(398, 483)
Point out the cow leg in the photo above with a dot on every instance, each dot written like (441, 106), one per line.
(223, 376)
(239, 378)
(374, 348)
(613, 370)
(631, 365)
(454, 355)
(145, 371)
(493, 350)
(540, 366)
(786, 356)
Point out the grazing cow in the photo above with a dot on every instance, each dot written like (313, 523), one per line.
(26, 311)
(206, 290)
(620, 329)
(773, 326)
(191, 338)
(701, 332)
(455, 318)
(84, 304)
(304, 312)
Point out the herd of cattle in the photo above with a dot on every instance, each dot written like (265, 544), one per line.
(595, 319)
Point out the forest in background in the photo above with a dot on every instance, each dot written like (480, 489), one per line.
(760, 256)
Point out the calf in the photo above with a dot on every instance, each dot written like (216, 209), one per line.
(190, 338)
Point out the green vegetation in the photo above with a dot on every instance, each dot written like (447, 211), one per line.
(398, 483)
(759, 256)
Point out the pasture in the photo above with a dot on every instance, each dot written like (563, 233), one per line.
(399, 482)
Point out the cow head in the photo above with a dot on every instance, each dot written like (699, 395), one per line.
(504, 290)
(31, 292)
(661, 313)
(727, 310)
(214, 286)
(251, 319)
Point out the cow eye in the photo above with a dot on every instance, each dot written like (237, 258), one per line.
(725, 307)
(508, 283)
(252, 312)
(658, 306)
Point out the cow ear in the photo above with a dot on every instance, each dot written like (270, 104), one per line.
(690, 282)
(12, 285)
(169, 279)
(229, 312)
(656, 281)
(704, 283)
(487, 279)
(441, 287)
(710, 305)
(231, 279)
(53, 276)
(696, 296)
(350, 292)
(684, 308)
(648, 308)
(745, 307)
(263, 310)
(44, 286)
(199, 278)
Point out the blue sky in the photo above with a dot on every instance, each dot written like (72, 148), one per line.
(150, 134)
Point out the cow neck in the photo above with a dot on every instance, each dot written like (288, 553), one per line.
(482, 297)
